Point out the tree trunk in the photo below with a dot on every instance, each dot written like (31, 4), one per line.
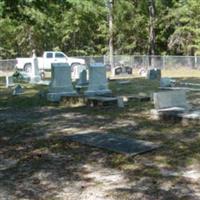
(110, 3)
(152, 38)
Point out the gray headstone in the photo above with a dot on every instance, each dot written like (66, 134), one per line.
(118, 70)
(97, 81)
(128, 70)
(166, 82)
(61, 83)
(83, 78)
(154, 74)
(170, 99)
(120, 102)
(17, 90)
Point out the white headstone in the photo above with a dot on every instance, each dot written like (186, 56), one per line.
(97, 81)
(35, 72)
(61, 83)
(9, 81)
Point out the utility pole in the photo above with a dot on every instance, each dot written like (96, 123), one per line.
(152, 37)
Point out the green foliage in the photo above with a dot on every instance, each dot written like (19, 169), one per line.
(80, 27)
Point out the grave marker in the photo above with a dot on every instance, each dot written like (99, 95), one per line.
(9, 81)
(61, 83)
(35, 72)
(154, 74)
(17, 90)
(97, 81)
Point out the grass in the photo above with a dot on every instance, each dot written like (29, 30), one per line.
(32, 132)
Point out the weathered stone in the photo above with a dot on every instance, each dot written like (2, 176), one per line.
(61, 83)
(82, 81)
(97, 81)
(170, 99)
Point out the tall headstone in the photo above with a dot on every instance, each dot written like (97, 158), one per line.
(97, 81)
(9, 81)
(35, 73)
(61, 83)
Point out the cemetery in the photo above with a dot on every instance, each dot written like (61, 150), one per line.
(99, 100)
(47, 125)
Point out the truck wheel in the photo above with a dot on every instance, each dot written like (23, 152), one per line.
(28, 67)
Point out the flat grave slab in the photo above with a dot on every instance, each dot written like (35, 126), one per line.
(115, 143)
(180, 88)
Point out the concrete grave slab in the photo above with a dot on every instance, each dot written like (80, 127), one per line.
(115, 143)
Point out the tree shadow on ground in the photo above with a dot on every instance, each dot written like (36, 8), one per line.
(37, 163)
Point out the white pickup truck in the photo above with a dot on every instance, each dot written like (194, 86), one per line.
(45, 62)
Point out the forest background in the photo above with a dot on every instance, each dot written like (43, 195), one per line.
(80, 27)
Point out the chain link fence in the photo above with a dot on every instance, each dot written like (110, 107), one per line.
(7, 65)
(143, 61)
(136, 62)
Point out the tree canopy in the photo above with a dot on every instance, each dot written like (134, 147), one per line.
(80, 27)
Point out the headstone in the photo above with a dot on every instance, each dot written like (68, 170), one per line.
(35, 73)
(128, 70)
(154, 74)
(166, 82)
(117, 70)
(120, 102)
(82, 81)
(61, 83)
(9, 81)
(17, 90)
(170, 100)
(97, 81)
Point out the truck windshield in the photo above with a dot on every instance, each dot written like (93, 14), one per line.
(49, 55)
(59, 55)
